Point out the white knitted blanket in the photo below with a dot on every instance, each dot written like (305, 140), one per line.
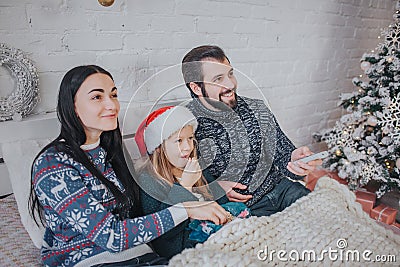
(325, 228)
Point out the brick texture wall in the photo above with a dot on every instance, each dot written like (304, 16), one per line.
(301, 54)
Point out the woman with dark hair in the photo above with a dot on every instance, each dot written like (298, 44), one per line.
(83, 192)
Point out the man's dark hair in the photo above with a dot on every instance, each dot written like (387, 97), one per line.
(192, 67)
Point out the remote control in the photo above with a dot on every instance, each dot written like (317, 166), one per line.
(320, 155)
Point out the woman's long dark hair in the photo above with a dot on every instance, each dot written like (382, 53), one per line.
(72, 136)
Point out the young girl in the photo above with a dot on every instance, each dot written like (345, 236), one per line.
(172, 174)
(82, 189)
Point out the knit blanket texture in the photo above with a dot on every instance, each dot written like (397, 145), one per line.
(328, 223)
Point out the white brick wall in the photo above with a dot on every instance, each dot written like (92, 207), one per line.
(301, 53)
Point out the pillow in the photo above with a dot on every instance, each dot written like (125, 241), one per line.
(18, 157)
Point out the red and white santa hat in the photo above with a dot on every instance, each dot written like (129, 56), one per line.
(160, 124)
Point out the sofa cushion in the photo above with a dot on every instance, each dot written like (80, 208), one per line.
(18, 157)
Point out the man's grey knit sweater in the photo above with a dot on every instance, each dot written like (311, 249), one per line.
(244, 145)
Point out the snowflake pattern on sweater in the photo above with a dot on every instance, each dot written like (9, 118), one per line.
(244, 145)
(78, 211)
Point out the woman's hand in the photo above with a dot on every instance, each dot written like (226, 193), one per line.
(206, 210)
(191, 174)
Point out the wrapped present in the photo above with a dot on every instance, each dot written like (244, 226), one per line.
(383, 213)
(311, 184)
(312, 178)
(366, 199)
(392, 199)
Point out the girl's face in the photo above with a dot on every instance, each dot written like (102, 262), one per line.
(179, 146)
(97, 105)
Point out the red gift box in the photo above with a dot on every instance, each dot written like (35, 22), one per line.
(383, 213)
(366, 199)
(312, 178)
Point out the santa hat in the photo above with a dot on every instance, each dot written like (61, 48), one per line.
(160, 125)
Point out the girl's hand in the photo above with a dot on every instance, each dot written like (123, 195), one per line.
(206, 210)
(191, 174)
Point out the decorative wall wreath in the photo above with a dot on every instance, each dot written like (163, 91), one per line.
(21, 101)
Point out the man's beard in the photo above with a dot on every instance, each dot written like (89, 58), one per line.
(219, 104)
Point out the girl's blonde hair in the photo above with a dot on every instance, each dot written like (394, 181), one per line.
(159, 165)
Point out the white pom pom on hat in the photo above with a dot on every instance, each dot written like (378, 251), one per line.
(160, 124)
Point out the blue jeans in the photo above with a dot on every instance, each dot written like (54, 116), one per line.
(280, 197)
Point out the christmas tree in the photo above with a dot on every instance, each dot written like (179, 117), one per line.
(364, 144)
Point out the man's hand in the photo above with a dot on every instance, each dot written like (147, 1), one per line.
(301, 168)
(232, 195)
